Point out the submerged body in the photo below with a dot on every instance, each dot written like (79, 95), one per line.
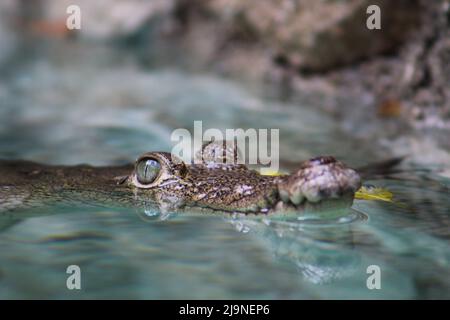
(158, 179)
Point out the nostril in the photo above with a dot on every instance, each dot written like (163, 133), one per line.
(322, 160)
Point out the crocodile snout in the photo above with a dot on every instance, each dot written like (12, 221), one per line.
(319, 179)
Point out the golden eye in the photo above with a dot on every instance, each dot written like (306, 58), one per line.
(147, 170)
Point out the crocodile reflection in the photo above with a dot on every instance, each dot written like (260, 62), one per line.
(322, 251)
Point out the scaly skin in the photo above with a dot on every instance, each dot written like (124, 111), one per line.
(210, 186)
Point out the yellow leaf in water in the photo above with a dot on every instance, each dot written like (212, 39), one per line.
(273, 173)
(374, 193)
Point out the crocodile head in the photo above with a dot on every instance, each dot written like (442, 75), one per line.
(217, 182)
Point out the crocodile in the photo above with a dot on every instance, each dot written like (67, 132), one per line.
(214, 183)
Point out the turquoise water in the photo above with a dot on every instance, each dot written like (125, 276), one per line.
(104, 107)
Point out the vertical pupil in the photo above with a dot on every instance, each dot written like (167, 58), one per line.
(148, 170)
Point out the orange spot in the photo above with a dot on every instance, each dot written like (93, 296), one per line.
(53, 29)
(389, 109)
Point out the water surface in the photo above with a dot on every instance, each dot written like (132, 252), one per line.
(103, 107)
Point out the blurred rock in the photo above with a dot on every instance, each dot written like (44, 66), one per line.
(317, 51)
(323, 53)
(320, 35)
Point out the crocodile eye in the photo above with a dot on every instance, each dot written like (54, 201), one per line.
(147, 170)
